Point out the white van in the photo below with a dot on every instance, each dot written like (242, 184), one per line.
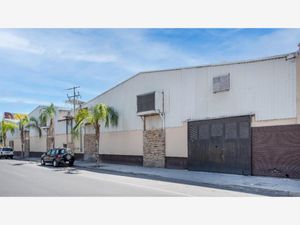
(6, 152)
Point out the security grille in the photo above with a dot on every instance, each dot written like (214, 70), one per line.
(146, 102)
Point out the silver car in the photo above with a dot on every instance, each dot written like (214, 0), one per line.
(6, 152)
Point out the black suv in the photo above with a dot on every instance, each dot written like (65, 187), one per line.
(57, 157)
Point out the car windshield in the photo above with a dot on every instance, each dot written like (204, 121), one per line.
(7, 149)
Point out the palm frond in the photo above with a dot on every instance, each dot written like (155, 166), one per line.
(112, 117)
(34, 123)
(46, 114)
(81, 118)
(8, 127)
(99, 113)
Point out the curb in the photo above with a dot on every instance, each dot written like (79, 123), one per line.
(241, 188)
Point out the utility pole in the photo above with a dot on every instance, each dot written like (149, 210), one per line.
(73, 99)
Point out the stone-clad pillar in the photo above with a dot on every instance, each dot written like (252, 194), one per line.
(154, 148)
(90, 147)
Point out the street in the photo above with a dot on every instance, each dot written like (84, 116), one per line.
(24, 178)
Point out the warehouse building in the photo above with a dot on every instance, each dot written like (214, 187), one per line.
(35, 145)
(240, 117)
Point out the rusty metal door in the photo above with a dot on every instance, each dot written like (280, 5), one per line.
(220, 145)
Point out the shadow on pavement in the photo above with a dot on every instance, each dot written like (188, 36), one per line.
(66, 169)
(17, 164)
(97, 169)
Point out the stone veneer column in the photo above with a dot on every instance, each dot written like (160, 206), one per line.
(90, 147)
(154, 149)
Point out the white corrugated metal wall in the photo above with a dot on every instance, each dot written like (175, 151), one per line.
(265, 88)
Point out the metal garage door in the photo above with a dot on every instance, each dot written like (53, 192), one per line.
(220, 145)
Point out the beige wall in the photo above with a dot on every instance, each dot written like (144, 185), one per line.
(122, 143)
(131, 142)
(280, 122)
(38, 144)
(176, 141)
(17, 144)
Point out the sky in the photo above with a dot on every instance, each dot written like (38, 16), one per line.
(38, 65)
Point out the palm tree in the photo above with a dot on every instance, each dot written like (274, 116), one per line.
(94, 116)
(7, 127)
(23, 122)
(48, 113)
(34, 123)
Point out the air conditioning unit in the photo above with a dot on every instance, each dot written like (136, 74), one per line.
(150, 103)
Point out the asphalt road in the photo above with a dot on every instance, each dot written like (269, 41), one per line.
(26, 179)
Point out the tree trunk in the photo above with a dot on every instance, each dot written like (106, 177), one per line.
(4, 139)
(97, 129)
(51, 132)
(22, 141)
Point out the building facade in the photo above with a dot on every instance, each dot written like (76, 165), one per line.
(240, 117)
(35, 145)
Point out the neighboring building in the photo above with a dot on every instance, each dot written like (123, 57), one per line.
(241, 117)
(35, 146)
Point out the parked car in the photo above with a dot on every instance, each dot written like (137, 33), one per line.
(6, 152)
(57, 157)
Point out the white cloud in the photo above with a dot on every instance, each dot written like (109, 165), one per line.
(137, 52)
(89, 57)
(27, 101)
(273, 43)
(11, 41)
(16, 42)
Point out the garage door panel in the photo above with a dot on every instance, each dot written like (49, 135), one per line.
(221, 145)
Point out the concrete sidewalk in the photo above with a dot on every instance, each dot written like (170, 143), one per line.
(253, 184)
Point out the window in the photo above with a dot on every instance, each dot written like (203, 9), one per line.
(62, 151)
(146, 102)
(53, 152)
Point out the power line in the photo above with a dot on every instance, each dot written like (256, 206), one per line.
(72, 99)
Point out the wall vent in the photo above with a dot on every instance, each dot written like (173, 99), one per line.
(149, 104)
(221, 83)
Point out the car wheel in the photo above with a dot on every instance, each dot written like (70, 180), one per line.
(11, 157)
(42, 162)
(55, 163)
